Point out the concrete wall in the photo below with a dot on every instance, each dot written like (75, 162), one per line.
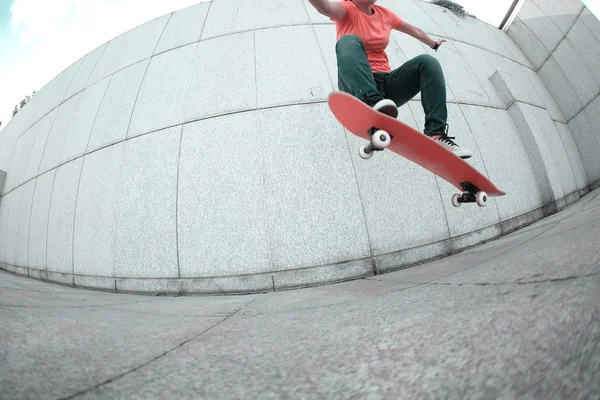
(196, 154)
(561, 38)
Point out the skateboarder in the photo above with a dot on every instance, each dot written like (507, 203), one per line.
(363, 31)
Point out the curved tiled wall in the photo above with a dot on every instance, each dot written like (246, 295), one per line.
(196, 154)
(562, 39)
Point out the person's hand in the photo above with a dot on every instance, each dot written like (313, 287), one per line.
(438, 43)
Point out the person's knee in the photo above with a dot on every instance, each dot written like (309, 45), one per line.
(427, 60)
(349, 43)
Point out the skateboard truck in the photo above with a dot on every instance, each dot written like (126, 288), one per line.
(380, 139)
(470, 194)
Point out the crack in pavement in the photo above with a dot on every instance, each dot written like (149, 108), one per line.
(115, 378)
(519, 282)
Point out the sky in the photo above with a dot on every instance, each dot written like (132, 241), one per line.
(40, 38)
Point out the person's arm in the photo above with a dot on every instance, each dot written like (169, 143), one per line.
(332, 9)
(418, 34)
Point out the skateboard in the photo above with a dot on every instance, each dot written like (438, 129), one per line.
(384, 132)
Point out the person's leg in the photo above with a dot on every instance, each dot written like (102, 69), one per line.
(424, 74)
(421, 74)
(355, 75)
(354, 71)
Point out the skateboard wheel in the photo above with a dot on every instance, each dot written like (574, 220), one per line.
(381, 139)
(481, 198)
(362, 152)
(455, 199)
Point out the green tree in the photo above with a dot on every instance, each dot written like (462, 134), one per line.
(452, 6)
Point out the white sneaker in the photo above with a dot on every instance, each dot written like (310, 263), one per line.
(387, 107)
(447, 142)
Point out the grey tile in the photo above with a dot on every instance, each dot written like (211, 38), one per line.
(541, 25)
(229, 16)
(498, 141)
(561, 89)
(411, 12)
(323, 274)
(573, 154)
(588, 144)
(61, 218)
(326, 39)
(254, 283)
(390, 201)
(484, 64)
(519, 83)
(583, 79)
(591, 21)
(6, 138)
(184, 27)
(130, 47)
(563, 13)
(593, 112)
(448, 22)
(94, 282)
(5, 164)
(222, 226)
(38, 225)
(51, 95)
(2, 179)
(38, 274)
(587, 46)
(396, 55)
(223, 77)
(469, 217)
(556, 151)
(114, 114)
(58, 134)
(482, 36)
(37, 150)
(84, 71)
(82, 122)
(18, 225)
(281, 76)
(146, 206)
(270, 14)
(531, 45)
(4, 215)
(516, 53)
(163, 91)
(314, 16)
(94, 245)
(313, 204)
(530, 125)
(149, 286)
(514, 76)
(15, 269)
(60, 277)
(407, 257)
(548, 101)
(501, 44)
(16, 172)
(409, 47)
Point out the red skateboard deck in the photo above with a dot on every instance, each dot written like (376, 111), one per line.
(358, 118)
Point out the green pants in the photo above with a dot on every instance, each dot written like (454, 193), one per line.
(421, 74)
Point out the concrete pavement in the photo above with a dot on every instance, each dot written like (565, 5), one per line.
(515, 318)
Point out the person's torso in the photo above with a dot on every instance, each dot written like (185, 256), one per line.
(373, 30)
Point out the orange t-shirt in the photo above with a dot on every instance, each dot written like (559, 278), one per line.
(374, 31)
